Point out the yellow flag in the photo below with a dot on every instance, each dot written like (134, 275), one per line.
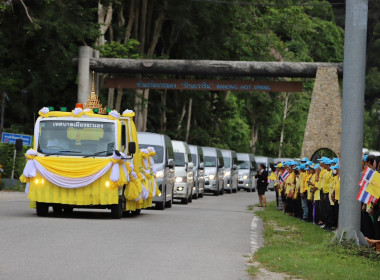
(272, 177)
(373, 187)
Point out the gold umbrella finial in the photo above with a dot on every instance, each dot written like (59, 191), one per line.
(93, 83)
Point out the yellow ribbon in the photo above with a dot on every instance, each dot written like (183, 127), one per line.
(129, 115)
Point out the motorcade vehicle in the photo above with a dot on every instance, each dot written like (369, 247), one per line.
(82, 159)
(247, 172)
(199, 177)
(269, 165)
(184, 173)
(163, 165)
(214, 170)
(231, 173)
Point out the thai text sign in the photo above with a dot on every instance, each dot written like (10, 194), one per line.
(10, 138)
(211, 85)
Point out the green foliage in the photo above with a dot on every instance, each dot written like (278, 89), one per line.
(118, 50)
(39, 69)
(6, 160)
(306, 251)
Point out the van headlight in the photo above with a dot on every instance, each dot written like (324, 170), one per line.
(211, 177)
(228, 173)
(245, 177)
(180, 179)
(160, 174)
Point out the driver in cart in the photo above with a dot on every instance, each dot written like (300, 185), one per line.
(57, 140)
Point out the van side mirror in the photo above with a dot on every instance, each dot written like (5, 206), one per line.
(190, 166)
(170, 163)
(131, 148)
(202, 166)
(234, 167)
(220, 165)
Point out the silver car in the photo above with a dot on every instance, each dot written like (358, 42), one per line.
(214, 170)
(184, 174)
(199, 177)
(163, 164)
(231, 173)
(247, 171)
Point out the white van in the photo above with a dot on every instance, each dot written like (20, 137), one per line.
(231, 173)
(199, 177)
(247, 171)
(269, 165)
(163, 164)
(184, 174)
(214, 171)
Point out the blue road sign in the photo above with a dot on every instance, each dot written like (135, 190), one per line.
(10, 138)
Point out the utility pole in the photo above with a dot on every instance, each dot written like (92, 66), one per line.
(352, 120)
(4, 96)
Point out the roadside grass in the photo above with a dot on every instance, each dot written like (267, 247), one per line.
(15, 188)
(307, 251)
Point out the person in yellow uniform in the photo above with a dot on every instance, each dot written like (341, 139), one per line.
(308, 192)
(303, 193)
(297, 193)
(289, 188)
(327, 179)
(314, 182)
(335, 195)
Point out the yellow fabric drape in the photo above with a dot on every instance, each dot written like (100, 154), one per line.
(73, 167)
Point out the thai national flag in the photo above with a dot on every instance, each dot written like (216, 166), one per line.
(363, 196)
(284, 176)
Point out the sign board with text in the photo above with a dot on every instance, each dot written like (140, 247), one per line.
(10, 138)
(210, 85)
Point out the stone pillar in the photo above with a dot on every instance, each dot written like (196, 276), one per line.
(324, 122)
(84, 75)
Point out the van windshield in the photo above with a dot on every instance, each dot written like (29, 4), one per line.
(243, 164)
(76, 138)
(159, 157)
(227, 162)
(210, 161)
(194, 157)
(179, 159)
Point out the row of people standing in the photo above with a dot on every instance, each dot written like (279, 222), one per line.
(310, 191)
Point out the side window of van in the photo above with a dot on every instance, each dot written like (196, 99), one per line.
(190, 159)
(123, 137)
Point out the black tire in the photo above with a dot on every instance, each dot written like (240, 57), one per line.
(249, 190)
(160, 205)
(168, 204)
(234, 190)
(184, 200)
(200, 195)
(190, 199)
(216, 193)
(222, 191)
(57, 209)
(42, 209)
(117, 210)
(68, 210)
(195, 196)
(136, 212)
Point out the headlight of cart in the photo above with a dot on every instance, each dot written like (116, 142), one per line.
(160, 174)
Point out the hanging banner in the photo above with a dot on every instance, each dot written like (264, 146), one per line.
(210, 85)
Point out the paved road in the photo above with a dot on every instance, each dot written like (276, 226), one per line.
(206, 239)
